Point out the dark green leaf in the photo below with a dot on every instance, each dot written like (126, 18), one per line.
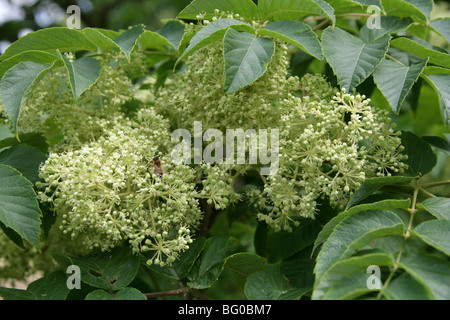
(34, 139)
(209, 266)
(421, 158)
(441, 84)
(26, 159)
(32, 55)
(420, 9)
(388, 25)
(245, 263)
(19, 208)
(173, 31)
(299, 268)
(270, 284)
(395, 80)
(246, 58)
(409, 45)
(123, 294)
(439, 143)
(353, 60)
(108, 270)
(128, 39)
(406, 287)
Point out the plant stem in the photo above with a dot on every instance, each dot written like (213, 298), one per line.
(164, 293)
(435, 184)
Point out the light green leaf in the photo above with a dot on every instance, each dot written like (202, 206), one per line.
(211, 33)
(246, 58)
(380, 205)
(438, 207)
(370, 185)
(33, 55)
(442, 26)
(24, 158)
(270, 284)
(406, 287)
(421, 158)
(348, 269)
(441, 85)
(153, 40)
(245, 8)
(173, 31)
(395, 80)
(354, 233)
(207, 269)
(19, 209)
(352, 59)
(431, 271)
(296, 33)
(409, 45)
(83, 74)
(436, 233)
(50, 40)
(436, 70)
(420, 9)
(16, 83)
(291, 10)
(128, 39)
(100, 39)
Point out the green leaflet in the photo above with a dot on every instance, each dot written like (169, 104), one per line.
(19, 209)
(246, 58)
(353, 60)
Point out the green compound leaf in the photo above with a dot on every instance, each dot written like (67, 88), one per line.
(354, 233)
(123, 294)
(128, 39)
(83, 74)
(246, 58)
(353, 60)
(209, 266)
(270, 284)
(432, 272)
(212, 32)
(296, 33)
(245, 8)
(438, 207)
(16, 83)
(419, 9)
(436, 233)
(421, 158)
(19, 209)
(380, 205)
(437, 142)
(406, 287)
(51, 287)
(111, 270)
(50, 40)
(291, 10)
(409, 45)
(395, 80)
(441, 85)
(344, 280)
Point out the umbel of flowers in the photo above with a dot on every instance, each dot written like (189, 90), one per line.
(101, 179)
